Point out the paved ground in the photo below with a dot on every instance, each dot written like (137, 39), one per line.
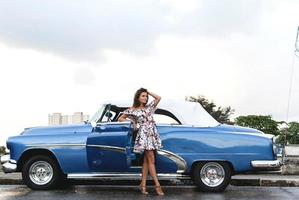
(238, 180)
(78, 192)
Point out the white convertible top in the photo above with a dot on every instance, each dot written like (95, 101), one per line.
(189, 113)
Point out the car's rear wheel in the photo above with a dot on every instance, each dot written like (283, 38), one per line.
(212, 176)
(41, 173)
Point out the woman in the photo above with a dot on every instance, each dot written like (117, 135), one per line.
(147, 140)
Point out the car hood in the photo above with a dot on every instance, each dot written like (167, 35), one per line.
(58, 129)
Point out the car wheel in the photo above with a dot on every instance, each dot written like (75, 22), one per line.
(41, 173)
(212, 176)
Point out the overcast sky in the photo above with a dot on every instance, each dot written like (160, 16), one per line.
(67, 56)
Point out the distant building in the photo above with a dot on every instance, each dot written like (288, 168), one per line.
(65, 119)
(59, 119)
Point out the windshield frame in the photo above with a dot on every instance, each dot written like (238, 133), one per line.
(97, 115)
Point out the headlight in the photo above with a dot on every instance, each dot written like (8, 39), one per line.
(277, 148)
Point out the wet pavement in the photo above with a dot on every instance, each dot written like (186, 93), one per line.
(78, 192)
(271, 180)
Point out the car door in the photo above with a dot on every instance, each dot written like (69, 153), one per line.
(109, 147)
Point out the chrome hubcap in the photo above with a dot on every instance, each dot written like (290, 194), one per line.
(212, 174)
(40, 172)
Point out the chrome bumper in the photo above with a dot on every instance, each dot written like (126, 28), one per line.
(266, 164)
(8, 165)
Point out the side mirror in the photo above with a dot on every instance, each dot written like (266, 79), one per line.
(108, 114)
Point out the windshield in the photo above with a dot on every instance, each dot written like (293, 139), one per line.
(94, 118)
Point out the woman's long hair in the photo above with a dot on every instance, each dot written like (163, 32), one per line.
(137, 95)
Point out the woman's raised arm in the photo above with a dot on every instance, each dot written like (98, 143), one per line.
(157, 98)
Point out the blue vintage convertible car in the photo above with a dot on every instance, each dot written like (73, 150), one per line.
(195, 146)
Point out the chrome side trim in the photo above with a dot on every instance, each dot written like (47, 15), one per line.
(119, 175)
(108, 148)
(62, 145)
(266, 163)
(136, 167)
(181, 163)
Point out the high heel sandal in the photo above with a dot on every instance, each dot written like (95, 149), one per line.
(143, 189)
(159, 190)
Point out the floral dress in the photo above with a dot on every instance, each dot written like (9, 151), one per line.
(147, 137)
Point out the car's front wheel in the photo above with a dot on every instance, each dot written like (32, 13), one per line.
(212, 176)
(41, 172)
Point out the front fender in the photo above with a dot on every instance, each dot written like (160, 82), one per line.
(67, 148)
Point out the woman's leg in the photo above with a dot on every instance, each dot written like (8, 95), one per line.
(149, 155)
(144, 171)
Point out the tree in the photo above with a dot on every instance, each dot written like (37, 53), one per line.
(292, 131)
(222, 115)
(264, 123)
